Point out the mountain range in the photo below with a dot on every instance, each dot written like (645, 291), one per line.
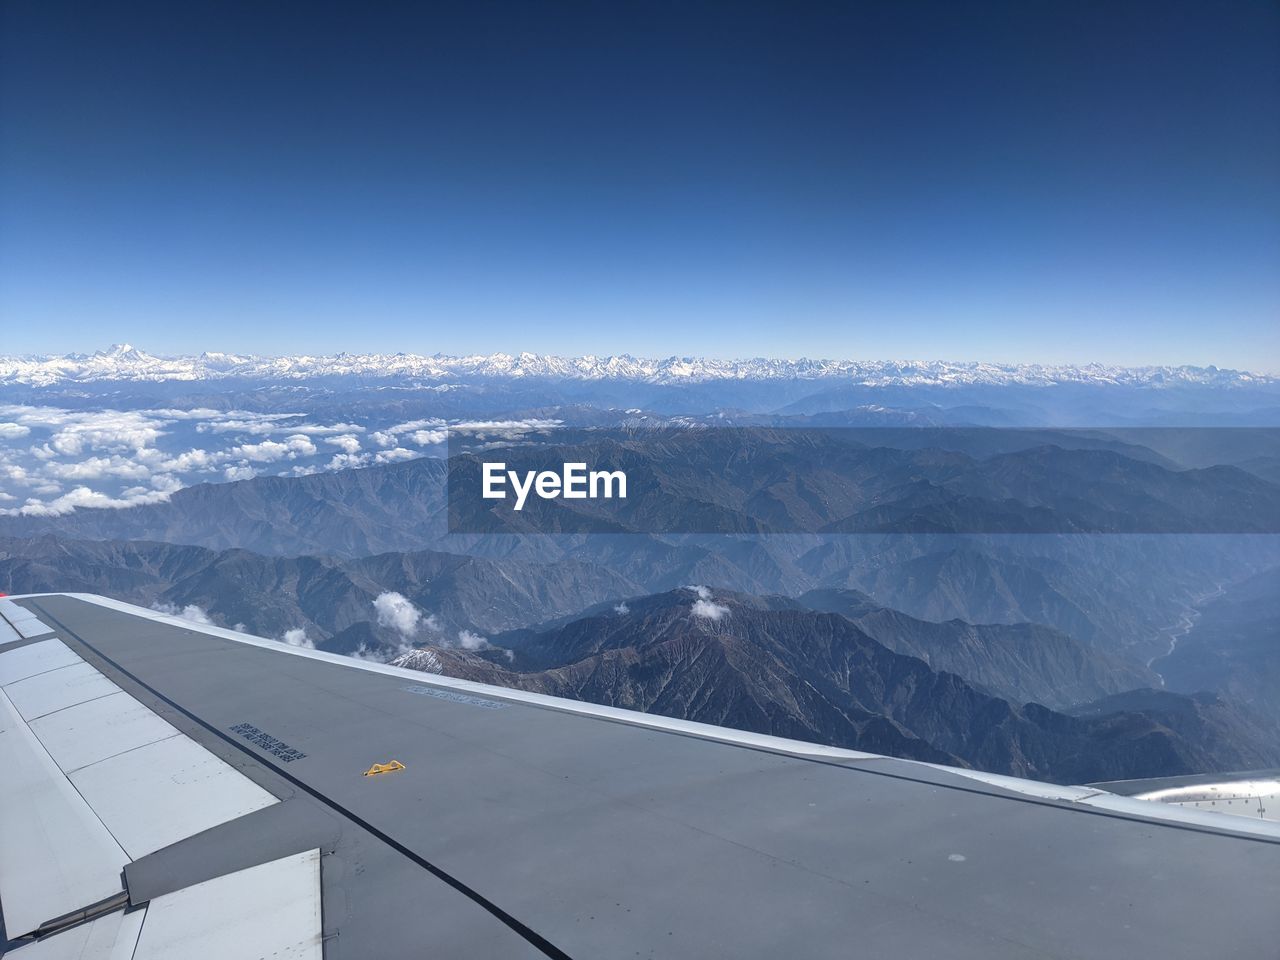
(123, 362)
(1063, 656)
(830, 665)
(778, 667)
(1116, 593)
(332, 599)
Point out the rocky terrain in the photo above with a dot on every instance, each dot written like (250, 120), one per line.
(736, 661)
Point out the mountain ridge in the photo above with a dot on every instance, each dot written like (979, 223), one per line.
(747, 663)
(126, 363)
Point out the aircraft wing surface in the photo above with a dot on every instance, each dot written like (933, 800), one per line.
(173, 790)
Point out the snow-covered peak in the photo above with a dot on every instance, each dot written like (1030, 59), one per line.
(123, 362)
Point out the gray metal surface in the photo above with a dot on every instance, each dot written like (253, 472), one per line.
(279, 830)
(520, 830)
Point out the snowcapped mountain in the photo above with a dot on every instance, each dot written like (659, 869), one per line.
(126, 363)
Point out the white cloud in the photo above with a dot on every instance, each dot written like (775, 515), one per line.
(426, 429)
(347, 442)
(84, 497)
(261, 424)
(425, 438)
(507, 429)
(190, 462)
(123, 458)
(347, 461)
(195, 413)
(165, 483)
(269, 451)
(75, 431)
(192, 612)
(702, 592)
(95, 468)
(243, 421)
(395, 455)
(297, 637)
(324, 430)
(471, 641)
(622, 608)
(709, 610)
(254, 427)
(383, 654)
(396, 612)
(416, 425)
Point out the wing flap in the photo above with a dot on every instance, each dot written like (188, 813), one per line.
(92, 779)
(55, 854)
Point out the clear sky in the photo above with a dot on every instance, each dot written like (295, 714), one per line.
(1022, 181)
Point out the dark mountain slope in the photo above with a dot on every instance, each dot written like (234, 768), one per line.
(1020, 662)
(323, 595)
(1233, 647)
(137, 571)
(348, 512)
(1230, 732)
(735, 661)
(1119, 594)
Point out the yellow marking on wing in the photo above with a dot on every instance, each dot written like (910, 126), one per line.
(390, 767)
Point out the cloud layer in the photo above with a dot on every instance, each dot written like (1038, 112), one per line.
(54, 460)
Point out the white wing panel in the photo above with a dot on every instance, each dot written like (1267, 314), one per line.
(113, 936)
(22, 619)
(96, 730)
(160, 793)
(57, 689)
(31, 627)
(34, 658)
(272, 910)
(55, 854)
(90, 778)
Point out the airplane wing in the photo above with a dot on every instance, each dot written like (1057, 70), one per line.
(173, 790)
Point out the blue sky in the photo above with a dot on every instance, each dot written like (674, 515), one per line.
(1013, 182)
